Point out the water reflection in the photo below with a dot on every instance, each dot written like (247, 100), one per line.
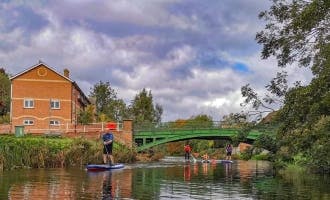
(107, 186)
(163, 180)
(187, 172)
(228, 171)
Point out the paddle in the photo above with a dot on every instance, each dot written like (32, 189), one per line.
(194, 159)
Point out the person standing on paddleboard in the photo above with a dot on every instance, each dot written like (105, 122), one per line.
(107, 138)
(229, 150)
(187, 151)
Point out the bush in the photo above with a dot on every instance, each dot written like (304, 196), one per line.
(41, 152)
(261, 156)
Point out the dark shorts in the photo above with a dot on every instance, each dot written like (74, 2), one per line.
(107, 149)
(229, 153)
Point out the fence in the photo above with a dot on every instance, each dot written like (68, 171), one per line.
(72, 128)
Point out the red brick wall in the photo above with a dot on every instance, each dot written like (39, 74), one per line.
(42, 84)
(5, 128)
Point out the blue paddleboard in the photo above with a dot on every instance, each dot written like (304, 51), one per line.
(103, 167)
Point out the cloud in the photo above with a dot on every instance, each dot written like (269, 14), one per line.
(193, 55)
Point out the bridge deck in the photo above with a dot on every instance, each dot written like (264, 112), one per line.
(149, 138)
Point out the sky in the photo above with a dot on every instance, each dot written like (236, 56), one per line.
(194, 56)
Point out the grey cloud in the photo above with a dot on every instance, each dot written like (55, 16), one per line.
(183, 51)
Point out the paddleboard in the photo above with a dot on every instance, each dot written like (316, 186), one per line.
(103, 167)
(226, 161)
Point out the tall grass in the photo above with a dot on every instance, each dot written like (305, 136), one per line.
(42, 152)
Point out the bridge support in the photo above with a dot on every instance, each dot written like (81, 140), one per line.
(127, 132)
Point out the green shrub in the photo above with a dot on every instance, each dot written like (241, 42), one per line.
(41, 152)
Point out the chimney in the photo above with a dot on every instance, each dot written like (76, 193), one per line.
(66, 73)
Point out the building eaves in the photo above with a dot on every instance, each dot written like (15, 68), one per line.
(36, 65)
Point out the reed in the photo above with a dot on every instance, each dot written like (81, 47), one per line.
(42, 152)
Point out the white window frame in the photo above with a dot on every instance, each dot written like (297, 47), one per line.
(28, 122)
(54, 122)
(55, 104)
(28, 103)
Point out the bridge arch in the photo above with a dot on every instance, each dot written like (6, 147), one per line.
(146, 139)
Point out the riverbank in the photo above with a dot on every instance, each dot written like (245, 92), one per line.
(51, 152)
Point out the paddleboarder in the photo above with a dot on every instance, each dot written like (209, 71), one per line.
(229, 150)
(107, 138)
(187, 151)
(205, 158)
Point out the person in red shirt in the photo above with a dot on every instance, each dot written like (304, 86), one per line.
(187, 151)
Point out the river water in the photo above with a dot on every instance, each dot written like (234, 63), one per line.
(170, 178)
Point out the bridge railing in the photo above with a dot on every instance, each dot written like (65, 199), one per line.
(200, 125)
(184, 125)
(174, 125)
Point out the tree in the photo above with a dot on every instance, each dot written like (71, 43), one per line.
(103, 94)
(234, 120)
(158, 113)
(276, 90)
(118, 109)
(298, 31)
(107, 104)
(200, 121)
(143, 110)
(86, 116)
(4, 92)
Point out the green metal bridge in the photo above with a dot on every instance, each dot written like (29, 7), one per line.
(147, 136)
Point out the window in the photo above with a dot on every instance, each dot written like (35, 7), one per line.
(54, 122)
(28, 103)
(55, 104)
(28, 122)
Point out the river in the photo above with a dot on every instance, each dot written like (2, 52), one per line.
(170, 178)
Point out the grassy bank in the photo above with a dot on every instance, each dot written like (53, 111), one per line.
(43, 152)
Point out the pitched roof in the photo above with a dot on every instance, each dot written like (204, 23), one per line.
(37, 65)
(44, 64)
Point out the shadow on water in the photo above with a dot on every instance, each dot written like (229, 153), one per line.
(171, 178)
(107, 185)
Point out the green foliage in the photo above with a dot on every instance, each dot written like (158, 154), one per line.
(266, 141)
(107, 103)
(295, 31)
(103, 94)
(86, 116)
(298, 31)
(200, 121)
(247, 154)
(142, 109)
(261, 157)
(124, 154)
(277, 89)
(200, 146)
(235, 120)
(42, 152)
(5, 119)
(4, 93)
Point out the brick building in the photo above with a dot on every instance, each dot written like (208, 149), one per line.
(43, 100)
